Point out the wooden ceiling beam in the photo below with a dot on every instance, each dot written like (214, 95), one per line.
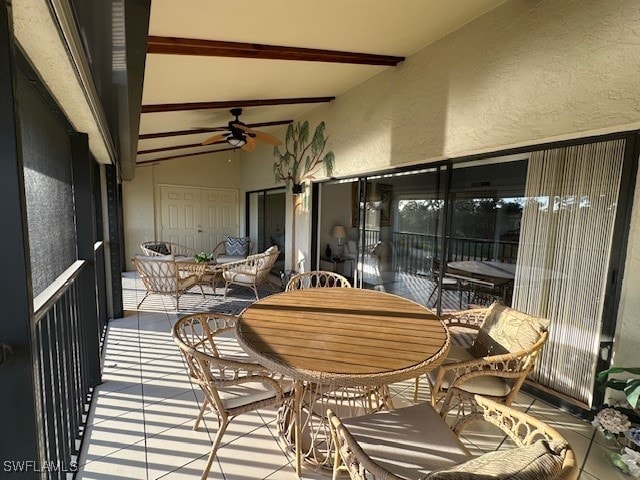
(177, 107)
(194, 131)
(162, 159)
(177, 147)
(216, 48)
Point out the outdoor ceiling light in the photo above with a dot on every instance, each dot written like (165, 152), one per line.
(236, 141)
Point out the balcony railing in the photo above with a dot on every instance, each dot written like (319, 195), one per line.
(412, 251)
(64, 351)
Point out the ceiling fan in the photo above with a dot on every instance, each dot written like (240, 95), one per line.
(238, 135)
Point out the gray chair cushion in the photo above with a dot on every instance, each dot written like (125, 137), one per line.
(413, 441)
(483, 385)
(228, 258)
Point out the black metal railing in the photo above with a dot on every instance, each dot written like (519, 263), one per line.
(412, 252)
(62, 354)
(101, 290)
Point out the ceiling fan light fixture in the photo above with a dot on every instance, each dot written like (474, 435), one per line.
(236, 142)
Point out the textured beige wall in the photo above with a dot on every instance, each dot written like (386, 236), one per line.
(525, 73)
(208, 171)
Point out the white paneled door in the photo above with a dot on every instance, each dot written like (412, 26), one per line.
(198, 218)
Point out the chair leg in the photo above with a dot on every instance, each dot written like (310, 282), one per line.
(435, 288)
(143, 299)
(202, 291)
(177, 303)
(255, 290)
(205, 404)
(226, 286)
(415, 389)
(214, 448)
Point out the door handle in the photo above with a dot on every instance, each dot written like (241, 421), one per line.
(199, 231)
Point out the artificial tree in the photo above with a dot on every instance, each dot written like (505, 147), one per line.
(300, 159)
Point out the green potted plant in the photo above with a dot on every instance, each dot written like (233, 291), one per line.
(203, 257)
(622, 423)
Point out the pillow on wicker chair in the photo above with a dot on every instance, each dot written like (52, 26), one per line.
(237, 247)
(160, 248)
(539, 461)
(507, 330)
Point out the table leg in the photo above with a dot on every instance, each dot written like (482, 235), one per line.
(303, 426)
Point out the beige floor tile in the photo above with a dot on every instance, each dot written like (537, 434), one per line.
(252, 456)
(579, 443)
(110, 436)
(175, 447)
(560, 419)
(124, 464)
(586, 476)
(110, 404)
(599, 464)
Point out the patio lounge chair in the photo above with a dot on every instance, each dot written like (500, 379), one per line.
(251, 272)
(496, 364)
(415, 443)
(316, 279)
(161, 275)
(230, 386)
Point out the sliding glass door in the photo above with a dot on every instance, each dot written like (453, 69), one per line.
(266, 221)
(540, 231)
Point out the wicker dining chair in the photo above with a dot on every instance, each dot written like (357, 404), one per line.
(414, 442)
(316, 279)
(503, 352)
(161, 275)
(231, 385)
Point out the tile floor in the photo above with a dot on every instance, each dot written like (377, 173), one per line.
(140, 422)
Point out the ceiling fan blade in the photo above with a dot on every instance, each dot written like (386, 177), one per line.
(210, 129)
(216, 138)
(263, 137)
(266, 138)
(250, 146)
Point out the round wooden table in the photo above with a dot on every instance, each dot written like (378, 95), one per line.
(342, 347)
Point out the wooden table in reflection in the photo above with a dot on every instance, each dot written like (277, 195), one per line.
(342, 347)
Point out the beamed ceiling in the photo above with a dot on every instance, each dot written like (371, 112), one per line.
(276, 59)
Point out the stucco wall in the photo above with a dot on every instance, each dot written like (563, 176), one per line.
(525, 73)
(209, 171)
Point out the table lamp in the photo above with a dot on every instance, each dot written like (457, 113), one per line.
(339, 232)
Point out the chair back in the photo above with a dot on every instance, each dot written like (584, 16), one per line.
(221, 248)
(316, 279)
(155, 249)
(159, 275)
(264, 263)
(196, 335)
(524, 430)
